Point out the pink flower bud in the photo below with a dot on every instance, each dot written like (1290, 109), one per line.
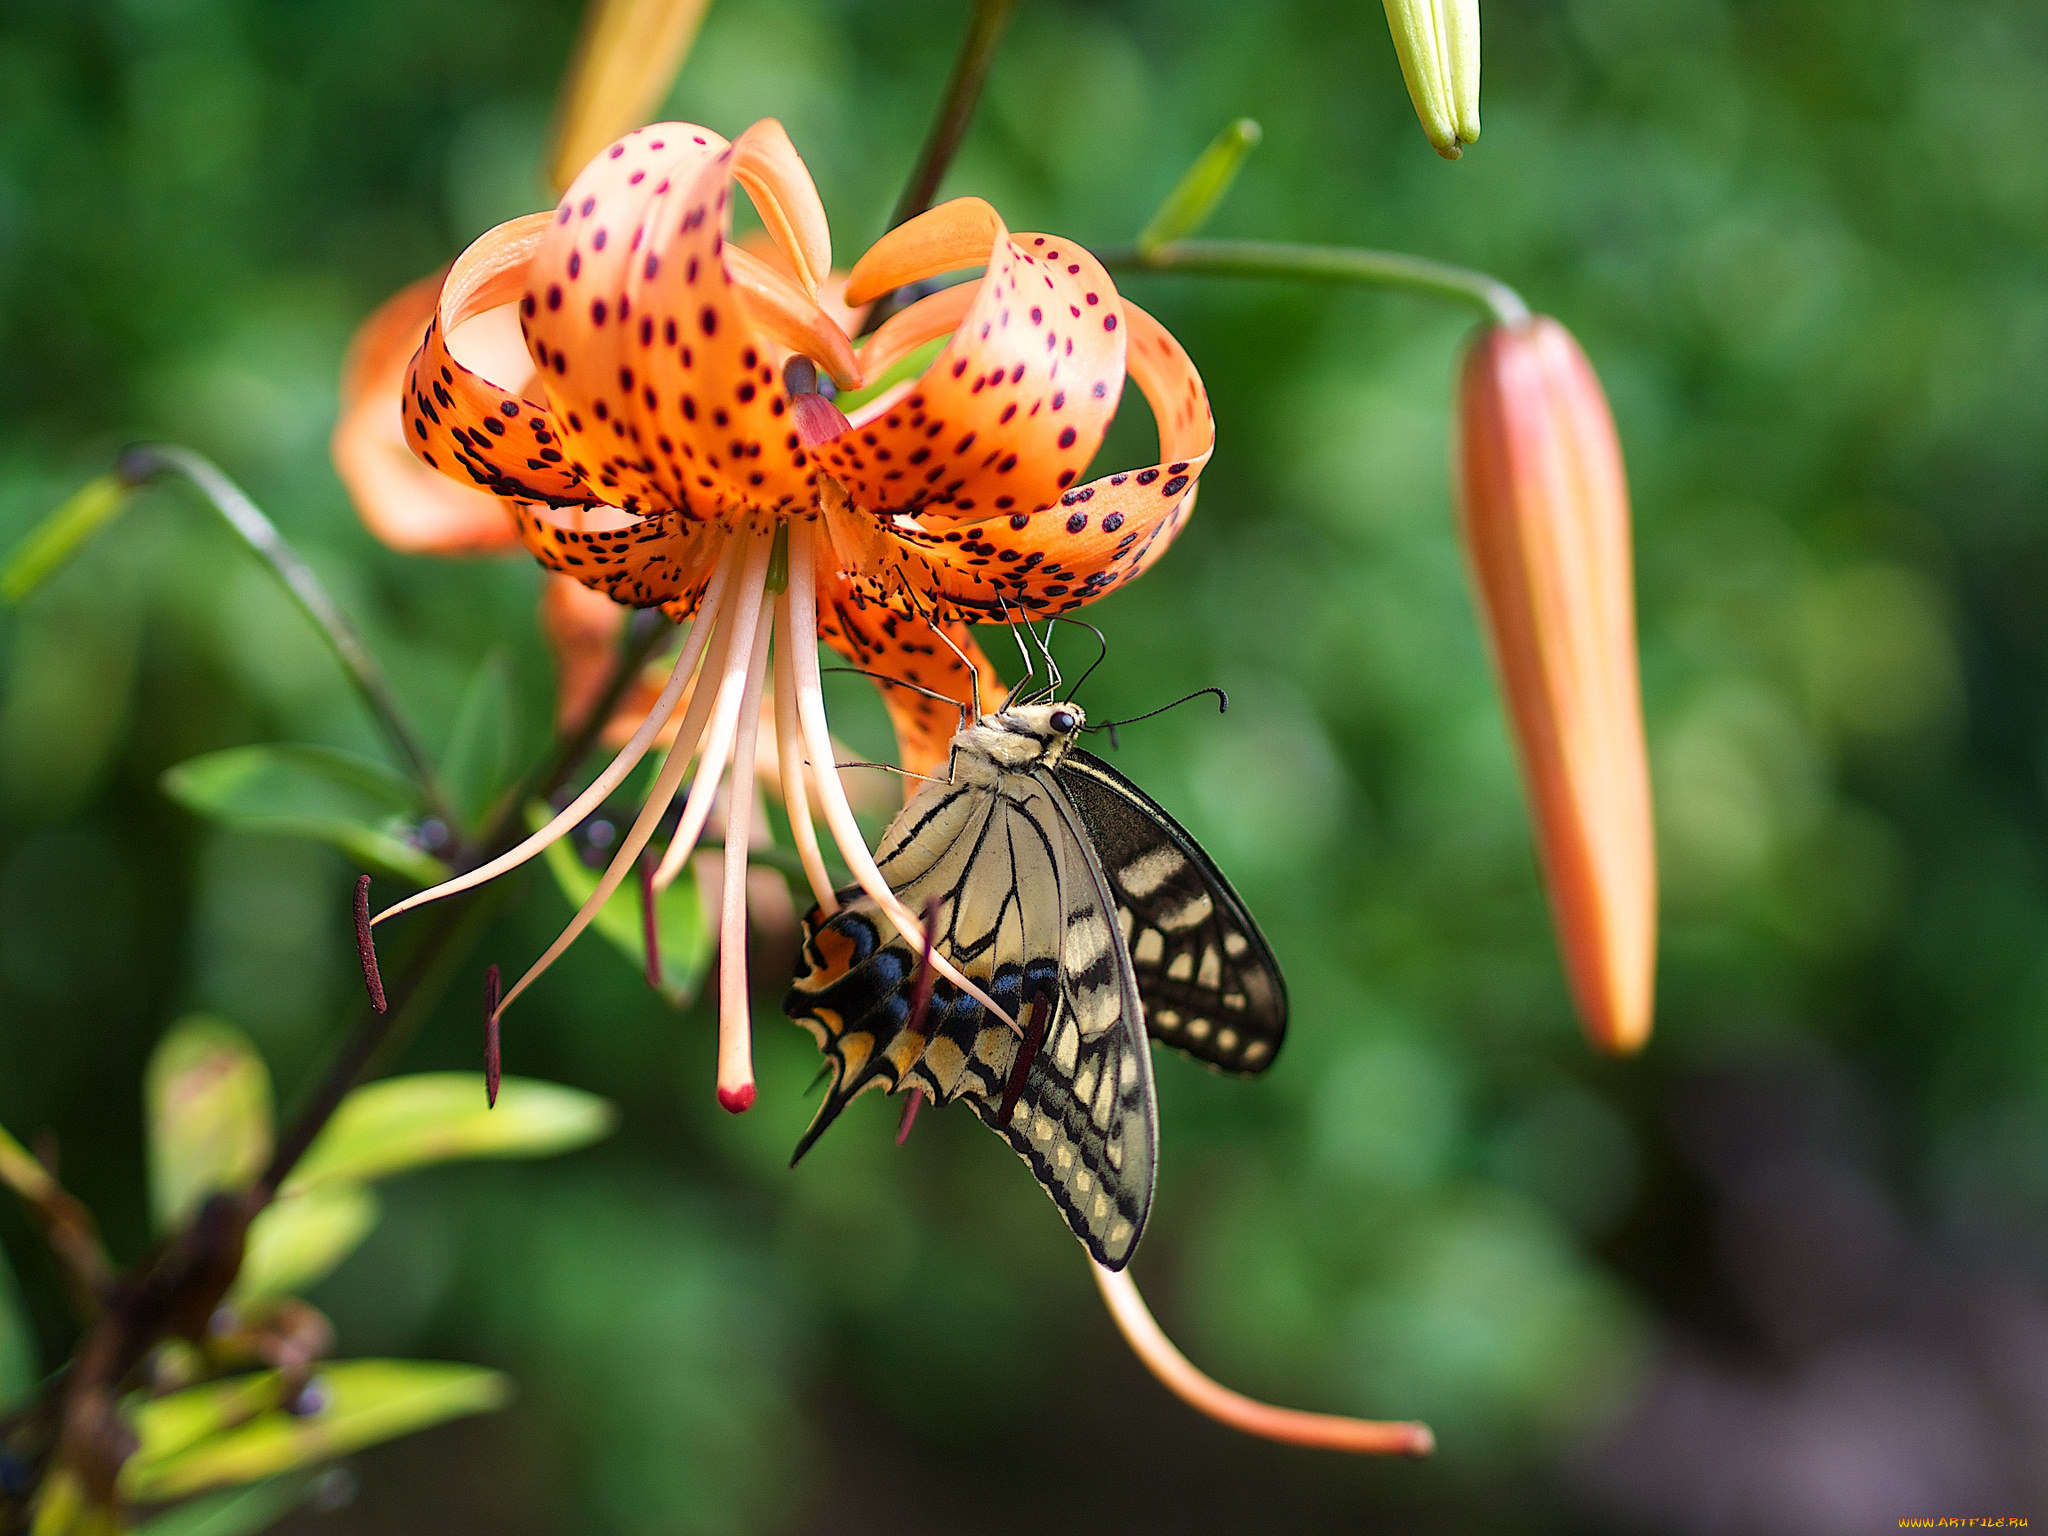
(1543, 503)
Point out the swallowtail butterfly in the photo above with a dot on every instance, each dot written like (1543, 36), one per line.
(1063, 891)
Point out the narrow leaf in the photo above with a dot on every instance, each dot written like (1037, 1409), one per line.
(57, 537)
(236, 1512)
(1188, 205)
(17, 1344)
(208, 1098)
(297, 1242)
(477, 764)
(432, 1117)
(364, 1402)
(682, 932)
(298, 791)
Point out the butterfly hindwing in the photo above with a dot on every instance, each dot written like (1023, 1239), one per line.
(1021, 908)
(1207, 977)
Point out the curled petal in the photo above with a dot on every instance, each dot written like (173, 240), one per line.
(912, 650)
(647, 348)
(1012, 410)
(776, 178)
(1543, 501)
(943, 239)
(477, 431)
(934, 315)
(407, 505)
(789, 320)
(1093, 538)
(664, 559)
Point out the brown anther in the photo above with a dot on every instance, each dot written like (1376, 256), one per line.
(491, 1058)
(366, 947)
(910, 1109)
(650, 928)
(1034, 1037)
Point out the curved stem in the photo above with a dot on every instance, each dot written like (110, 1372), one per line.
(150, 460)
(1323, 264)
(1290, 1426)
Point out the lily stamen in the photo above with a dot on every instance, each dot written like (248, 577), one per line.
(614, 774)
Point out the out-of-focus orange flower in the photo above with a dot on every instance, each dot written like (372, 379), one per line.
(1543, 502)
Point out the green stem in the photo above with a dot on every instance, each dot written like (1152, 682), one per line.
(949, 126)
(1324, 264)
(150, 460)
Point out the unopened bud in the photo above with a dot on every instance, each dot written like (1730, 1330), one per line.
(1438, 44)
(1543, 503)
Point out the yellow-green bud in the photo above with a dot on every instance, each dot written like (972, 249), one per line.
(1438, 44)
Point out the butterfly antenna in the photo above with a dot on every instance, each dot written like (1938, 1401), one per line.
(1052, 665)
(1101, 655)
(1222, 707)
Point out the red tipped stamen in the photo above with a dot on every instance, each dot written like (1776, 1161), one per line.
(650, 935)
(920, 1006)
(911, 1106)
(366, 947)
(736, 1101)
(492, 1060)
(1034, 1037)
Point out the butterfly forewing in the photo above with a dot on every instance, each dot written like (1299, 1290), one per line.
(1207, 977)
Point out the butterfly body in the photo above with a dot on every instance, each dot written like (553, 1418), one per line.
(1076, 904)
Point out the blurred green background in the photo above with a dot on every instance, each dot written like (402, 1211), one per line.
(1784, 1273)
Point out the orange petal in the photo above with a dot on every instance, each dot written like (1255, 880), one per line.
(942, 239)
(934, 315)
(907, 648)
(404, 503)
(776, 178)
(1097, 536)
(582, 626)
(1543, 502)
(472, 429)
(647, 349)
(1012, 410)
(788, 320)
(662, 559)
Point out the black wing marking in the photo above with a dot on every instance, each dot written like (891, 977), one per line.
(1024, 912)
(1208, 979)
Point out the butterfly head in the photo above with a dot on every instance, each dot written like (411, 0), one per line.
(1022, 736)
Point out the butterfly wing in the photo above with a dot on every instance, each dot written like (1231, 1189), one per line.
(1210, 984)
(1021, 907)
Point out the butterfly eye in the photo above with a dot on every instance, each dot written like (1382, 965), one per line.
(1063, 721)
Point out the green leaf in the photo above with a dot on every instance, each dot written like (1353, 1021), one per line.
(1189, 204)
(297, 1242)
(682, 934)
(906, 367)
(358, 806)
(477, 765)
(208, 1098)
(57, 537)
(237, 1511)
(366, 1401)
(432, 1117)
(17, 1345)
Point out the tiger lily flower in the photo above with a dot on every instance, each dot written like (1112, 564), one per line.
(1543, 504)
(659, 438)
